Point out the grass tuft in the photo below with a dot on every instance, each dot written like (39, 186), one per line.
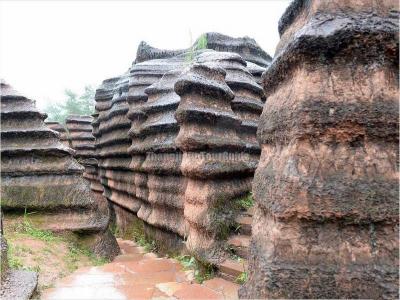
(202, 42)
(246, 202)
(202, 271)
(242, 278)
(26, 227)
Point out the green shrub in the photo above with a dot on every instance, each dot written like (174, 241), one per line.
(242, 278)
(202, 270)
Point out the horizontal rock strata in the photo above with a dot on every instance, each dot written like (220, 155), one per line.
(326, 188)
(212, 149)
(155, 158)
(112, 143)
(56, 126)
(83, 142)
(246, 47)
(81, 137)
(158, 182)
(40, 174)
(157, 134)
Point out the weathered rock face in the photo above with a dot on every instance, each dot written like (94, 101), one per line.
(326, 188)
(64, 139)
(157, 134)
(247, 103)
(80, 130)
(256, 71)
(146, 52)
(40, 174)
(95, 184)
(154, 185)
(112, 143)
(154, 156)
(212, 149)
(246, 47)
(80, 135)
(142, 76)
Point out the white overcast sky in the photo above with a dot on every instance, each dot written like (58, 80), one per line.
(48, 46)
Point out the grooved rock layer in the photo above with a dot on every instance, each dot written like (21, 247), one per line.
(157, 134)
(80, 135)
(112, 142)
(212, 148)
(40, 174)
(64, 138)
(326, 188)
(82, 140)
(155, 158)
(246, 47)
(247, 103)
(178, 188)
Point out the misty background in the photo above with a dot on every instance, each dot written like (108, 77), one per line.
(58, 52)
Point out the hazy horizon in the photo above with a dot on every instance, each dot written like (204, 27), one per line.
(47, 47)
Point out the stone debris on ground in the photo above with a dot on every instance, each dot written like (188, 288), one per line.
(138, 275)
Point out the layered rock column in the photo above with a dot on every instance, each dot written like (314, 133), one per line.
(56, 126)
(247, 103)
(326, 188)
(212, 163)
(81, 137)
(112, 144)
(80, 131)
(166, 185)
(142, 75)
(40, 174)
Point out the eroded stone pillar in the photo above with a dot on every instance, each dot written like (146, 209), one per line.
(142, 75)
(113, 143)
(212, 163)
(56, 126)
(39, 174)
(326, 187)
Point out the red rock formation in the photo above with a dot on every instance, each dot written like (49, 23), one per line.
(81, 137)
(39, 173)
(95, 184)
(112, 143)
(64, 139)
(83, 142)
(247, 104)
(142, 75)
(216, 173)
(157, 134)
(326, 188)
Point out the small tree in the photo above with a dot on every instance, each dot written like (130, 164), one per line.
(73, 105)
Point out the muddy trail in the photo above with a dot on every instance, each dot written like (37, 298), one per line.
(135, 274)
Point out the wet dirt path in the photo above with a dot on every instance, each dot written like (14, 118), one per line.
(135, 274)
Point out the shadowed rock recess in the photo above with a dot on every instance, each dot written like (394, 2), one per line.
(326, 187)
(39, 174)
